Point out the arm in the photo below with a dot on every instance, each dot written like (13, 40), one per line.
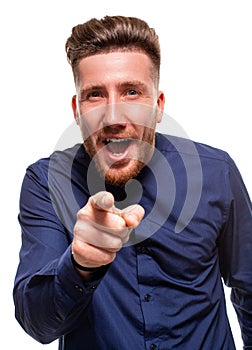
(236, 251)
(49, 293)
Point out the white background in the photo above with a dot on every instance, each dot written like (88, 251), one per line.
(206, 75)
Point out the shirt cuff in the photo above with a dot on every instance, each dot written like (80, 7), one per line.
(72, 283)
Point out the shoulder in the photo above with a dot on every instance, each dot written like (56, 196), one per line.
(59, 159)
(186, 147)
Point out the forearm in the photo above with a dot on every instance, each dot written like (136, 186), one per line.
(242, 302)
(50, 302)
(235, 245)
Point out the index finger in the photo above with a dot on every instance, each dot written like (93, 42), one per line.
(103, 201)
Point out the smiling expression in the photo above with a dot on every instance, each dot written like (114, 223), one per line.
(117, 106)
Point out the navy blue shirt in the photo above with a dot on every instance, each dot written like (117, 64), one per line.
(164, 290)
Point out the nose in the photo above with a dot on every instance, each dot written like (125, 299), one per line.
(113, 113)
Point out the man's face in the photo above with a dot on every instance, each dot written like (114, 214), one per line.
(117, 106)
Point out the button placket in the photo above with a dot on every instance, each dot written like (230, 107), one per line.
(142, 250)
(144, 261)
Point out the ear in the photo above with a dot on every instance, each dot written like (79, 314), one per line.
(75, 110)
(160, 106)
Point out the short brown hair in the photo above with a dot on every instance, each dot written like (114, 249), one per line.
(112, 33)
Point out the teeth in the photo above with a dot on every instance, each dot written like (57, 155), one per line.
(116, 140)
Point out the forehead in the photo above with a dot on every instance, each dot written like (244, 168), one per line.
(115, 65)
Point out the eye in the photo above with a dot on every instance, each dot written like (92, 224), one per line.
(93, 94)
(132, 92)
(89, 95)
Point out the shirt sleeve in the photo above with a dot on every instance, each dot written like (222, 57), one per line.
(236, 250)
(49, 294)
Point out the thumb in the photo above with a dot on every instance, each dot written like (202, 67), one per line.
(133, 215)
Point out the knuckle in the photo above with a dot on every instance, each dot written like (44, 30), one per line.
(117, 245)
(78, 227)
(77, 231)
(105, 257)
(108, 258)
(126, 236)
(139, 212)
(81, 214)
(113, 243)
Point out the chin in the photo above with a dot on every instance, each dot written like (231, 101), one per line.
(120, 175)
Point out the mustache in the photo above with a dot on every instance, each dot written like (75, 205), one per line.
(114, 131)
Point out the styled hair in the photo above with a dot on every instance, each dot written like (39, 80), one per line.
(112, 33)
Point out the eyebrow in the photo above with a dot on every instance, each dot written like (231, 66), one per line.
(99, 87)
(133, 83)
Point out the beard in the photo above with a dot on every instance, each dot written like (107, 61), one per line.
(120, 172)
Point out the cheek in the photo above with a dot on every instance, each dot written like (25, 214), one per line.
(84, 128)
(143, 115)
(88, 127)
(90, 120)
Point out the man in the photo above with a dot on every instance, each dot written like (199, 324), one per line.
(126, 238)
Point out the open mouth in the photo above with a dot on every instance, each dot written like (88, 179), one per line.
(118, 146)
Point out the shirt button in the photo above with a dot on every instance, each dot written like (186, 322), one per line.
(142, 250)
(153, 346)
(147, 297)
(78, 288)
